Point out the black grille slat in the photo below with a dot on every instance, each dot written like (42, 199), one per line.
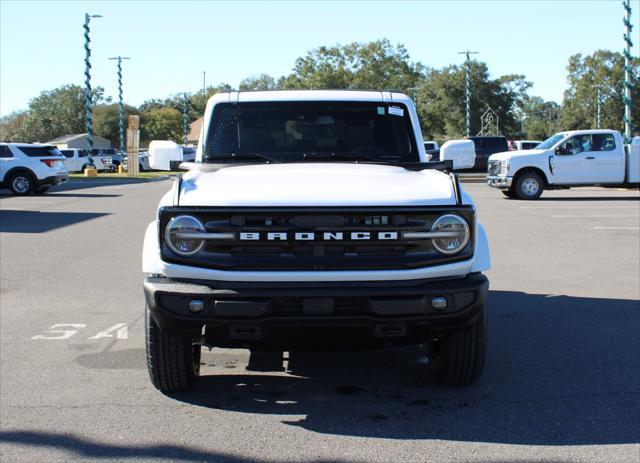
(319, 254)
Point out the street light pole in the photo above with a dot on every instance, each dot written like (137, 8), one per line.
(185, 118)
(88, 98)
(120, 104)
(627, 71)
(468, 86)
(204, 80)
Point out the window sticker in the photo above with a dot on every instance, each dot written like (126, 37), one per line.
(396, 111)
(381, 110)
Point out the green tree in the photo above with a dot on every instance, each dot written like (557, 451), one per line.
(373, 65)
(259, 82)
(441, 100)
(56, 112)
(106, 121)
(539, 118)
(162, 124)
(11, 124)
(596, 81)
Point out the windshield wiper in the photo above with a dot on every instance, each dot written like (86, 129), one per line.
(266, 157)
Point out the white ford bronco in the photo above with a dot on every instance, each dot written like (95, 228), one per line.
(311, 220)
(564, 160)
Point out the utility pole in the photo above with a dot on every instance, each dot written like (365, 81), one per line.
(120, 104)
(598, 107)
(204, 79)
(88, 98)
(185, 119)
(627, 71)
(468, 86)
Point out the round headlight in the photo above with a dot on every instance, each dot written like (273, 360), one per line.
(457, 230)
(182, 225)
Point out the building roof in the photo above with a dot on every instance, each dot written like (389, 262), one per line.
(194, 130)
(68, 138)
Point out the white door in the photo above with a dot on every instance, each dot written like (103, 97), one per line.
(609, 158)
(6, 161)
(575, 162)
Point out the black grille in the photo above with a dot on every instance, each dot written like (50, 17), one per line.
(317, 254)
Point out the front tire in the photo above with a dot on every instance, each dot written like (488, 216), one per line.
(509, 194)
(21, 183)
(529, 185)
(173, 360)
(457, 359)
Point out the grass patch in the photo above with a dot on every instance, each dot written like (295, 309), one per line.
(115, 175)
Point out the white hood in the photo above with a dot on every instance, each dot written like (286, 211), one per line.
(316, 184)
(514, 154)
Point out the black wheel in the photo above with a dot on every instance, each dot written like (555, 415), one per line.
(508, 193)
(529, 185)
(173, 360)
(42, 190)
(457, 359)
(140, 168)
(21, 183)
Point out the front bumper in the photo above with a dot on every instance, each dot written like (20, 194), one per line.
(255, 314)
(54, 180)
(499, 182)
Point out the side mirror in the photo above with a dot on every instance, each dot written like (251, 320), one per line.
(461, 152)
(561, 150)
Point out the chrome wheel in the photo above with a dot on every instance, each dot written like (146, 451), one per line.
(21, 184)
(530, 186)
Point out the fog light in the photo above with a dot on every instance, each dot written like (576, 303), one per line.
(439, 303)
(196, 306)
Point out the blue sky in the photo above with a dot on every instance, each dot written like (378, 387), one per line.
(171, 43)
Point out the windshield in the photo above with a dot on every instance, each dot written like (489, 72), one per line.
(295, 131)
(552, 140)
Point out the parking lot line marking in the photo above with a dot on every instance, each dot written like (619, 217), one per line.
(594, 216)
(586, 206)
(119, 328)
(616, 228)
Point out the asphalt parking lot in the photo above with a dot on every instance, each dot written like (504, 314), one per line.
(562, 380)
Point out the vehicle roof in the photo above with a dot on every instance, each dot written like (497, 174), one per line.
(586, 131)
(485, 136)
(311, 95)
(25, 144)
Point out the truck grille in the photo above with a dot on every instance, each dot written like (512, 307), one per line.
(315, 239)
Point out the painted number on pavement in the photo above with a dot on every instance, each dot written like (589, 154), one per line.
(66, 330)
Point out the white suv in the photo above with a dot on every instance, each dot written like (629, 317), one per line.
(31, 168)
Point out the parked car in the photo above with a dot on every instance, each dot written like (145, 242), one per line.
(31, 168)
(188, 154)
(143, 162)
(525, 144)
(77, 160)
(116, 157)
(566, 159)
(340, 234)
(485, 147)
(432, 149)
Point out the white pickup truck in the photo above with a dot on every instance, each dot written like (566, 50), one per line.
(309, 220)
(566, 159)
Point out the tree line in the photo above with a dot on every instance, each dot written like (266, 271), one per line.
(594, 91)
